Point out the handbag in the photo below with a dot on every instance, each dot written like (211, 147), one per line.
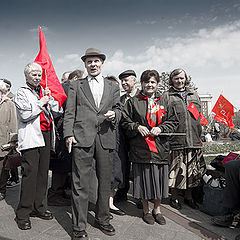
(213, 197)
(217, 163)
(12, 160)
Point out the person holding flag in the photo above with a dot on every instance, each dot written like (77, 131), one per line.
(144, 119)
(35, 108)
(187, 164)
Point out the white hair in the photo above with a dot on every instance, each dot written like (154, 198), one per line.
(31, 67)
(3, 87)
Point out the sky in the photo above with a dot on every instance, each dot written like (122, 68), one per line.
(202, 37)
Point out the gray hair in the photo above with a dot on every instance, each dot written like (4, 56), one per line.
(3, 87)
(174, 73)
(31, 67)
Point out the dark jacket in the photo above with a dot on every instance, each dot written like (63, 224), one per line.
(187, 123)
(133, 115)
(8, 123)
(61, 159)
(123, 98)
(84, 120)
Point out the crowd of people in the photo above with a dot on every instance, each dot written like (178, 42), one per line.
(152, 138)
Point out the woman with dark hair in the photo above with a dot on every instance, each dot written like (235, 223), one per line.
(187, 164)
(144, 119)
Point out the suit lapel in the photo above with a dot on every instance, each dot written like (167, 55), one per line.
(106, 91)
(84, 85)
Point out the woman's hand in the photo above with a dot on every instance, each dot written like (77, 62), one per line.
(47, 91)
(155, 131)
(143, 130)
(44, 100)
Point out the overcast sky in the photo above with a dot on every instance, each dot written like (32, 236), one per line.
(203, 37)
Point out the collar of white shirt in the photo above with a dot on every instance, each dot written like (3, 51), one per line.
(99, 78)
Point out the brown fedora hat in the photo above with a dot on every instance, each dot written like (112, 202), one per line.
(93, 52)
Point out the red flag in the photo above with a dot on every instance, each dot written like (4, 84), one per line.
(224, 111)
(203, 120)
(44, 60)
(192, 109)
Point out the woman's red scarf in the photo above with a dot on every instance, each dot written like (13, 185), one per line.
(155, 112)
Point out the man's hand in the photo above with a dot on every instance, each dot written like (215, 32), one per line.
(143, 130)
(110, 115)
(69, 141)
(155, 131)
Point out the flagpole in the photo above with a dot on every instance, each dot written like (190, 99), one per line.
(209, 124)
(172, 134)
(46, 77)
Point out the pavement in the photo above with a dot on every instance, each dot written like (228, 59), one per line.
(186, 224)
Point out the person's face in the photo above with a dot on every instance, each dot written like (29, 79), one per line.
(179, 81)
(65, 77)
(34, 77)
(93, 65)
(128, 83)
(8, 87)
(149, 87)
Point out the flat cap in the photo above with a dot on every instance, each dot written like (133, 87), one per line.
(127, 73)
(93, 52)
(6, 81)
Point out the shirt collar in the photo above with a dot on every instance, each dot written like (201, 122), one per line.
(99, 78)
(133, 93)
(184, 89)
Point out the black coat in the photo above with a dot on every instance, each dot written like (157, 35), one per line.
(61, 160)
(133, 115)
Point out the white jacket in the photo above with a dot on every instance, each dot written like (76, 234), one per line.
(29, 107)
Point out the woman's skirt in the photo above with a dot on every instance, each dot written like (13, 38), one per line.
(150, 181)
(186, 169)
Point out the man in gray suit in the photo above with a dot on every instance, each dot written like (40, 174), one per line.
(92, 111)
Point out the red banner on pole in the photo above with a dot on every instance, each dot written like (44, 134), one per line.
(224, 111)
(49, 73)
(203, 120)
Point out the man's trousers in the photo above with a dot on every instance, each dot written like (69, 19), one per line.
(81, 171)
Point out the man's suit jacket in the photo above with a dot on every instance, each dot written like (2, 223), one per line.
(84, 120)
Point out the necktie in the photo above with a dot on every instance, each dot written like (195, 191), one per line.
(95, 91)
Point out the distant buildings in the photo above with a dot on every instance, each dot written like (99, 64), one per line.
(206, 101)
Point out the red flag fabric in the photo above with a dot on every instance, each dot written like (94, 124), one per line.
(49, 73)
(224, 111)
(192, 109)
(203, 120)
(231, 156)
